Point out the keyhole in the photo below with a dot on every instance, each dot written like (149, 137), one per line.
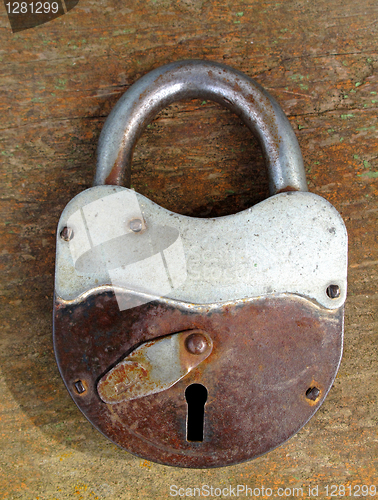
(196, 397)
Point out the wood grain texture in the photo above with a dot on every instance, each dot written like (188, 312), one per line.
(58, 83)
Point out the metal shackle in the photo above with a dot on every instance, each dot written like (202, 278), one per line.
(193, 79)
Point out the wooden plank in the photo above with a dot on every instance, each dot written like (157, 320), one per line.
(59, 82)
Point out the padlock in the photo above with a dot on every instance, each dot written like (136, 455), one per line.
(199, 342)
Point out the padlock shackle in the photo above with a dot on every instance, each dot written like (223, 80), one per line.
(193, 79)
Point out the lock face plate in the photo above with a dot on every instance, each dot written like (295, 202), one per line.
(255, 283)
(267, 354)
(293, 242)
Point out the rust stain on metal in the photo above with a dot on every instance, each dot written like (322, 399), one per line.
(287, 189)
(113, 387)
(154, 366)
(266, 354)
(117, 173)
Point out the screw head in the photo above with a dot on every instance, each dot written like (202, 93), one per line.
(196, 343)
(136, 225)
(67, 233)
(333, 291)
(312, 393)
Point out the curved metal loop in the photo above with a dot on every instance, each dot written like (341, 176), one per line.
(206, 80)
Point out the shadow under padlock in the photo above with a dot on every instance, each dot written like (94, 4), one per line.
(199, 342)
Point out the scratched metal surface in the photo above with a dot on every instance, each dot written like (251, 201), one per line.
(59, 82)
(267, 353)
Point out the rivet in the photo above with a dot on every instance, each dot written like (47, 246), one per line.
(333, 291)
(79, 386)
(196, 343)
(312, 393)
(136, 225)
(67, 233)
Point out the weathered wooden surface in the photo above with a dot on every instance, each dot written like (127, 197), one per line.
(59, 82)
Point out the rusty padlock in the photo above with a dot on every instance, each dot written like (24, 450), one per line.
(199, 342)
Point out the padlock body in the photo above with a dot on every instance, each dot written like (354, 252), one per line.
(255, 282)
